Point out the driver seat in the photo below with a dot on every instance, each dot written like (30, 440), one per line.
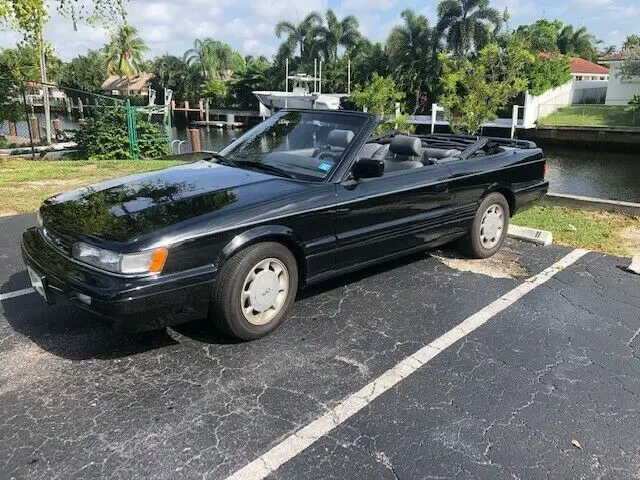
(404, 153)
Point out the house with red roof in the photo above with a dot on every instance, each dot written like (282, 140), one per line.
(590, 80)
(583, 70)
(620, 90)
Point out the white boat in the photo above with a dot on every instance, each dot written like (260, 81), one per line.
(300, 96)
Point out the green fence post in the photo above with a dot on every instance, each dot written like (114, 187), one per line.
(132, 131)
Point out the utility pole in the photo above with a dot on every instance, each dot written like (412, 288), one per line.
(45, 87)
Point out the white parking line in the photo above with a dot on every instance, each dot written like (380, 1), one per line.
(306, 436)
(17, 293)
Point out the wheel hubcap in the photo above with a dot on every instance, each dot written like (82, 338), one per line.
(492, 226)
(264, 291)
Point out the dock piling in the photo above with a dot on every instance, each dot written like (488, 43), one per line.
(194, 135)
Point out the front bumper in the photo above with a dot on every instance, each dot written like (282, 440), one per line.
(132, 304)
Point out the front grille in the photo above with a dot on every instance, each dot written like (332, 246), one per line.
(57, 241)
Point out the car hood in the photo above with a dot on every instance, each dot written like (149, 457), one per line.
(126, 208)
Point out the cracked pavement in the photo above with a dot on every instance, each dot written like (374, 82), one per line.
(80, 400)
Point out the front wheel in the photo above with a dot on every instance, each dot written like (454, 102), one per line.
(255, 290)
(489, 228)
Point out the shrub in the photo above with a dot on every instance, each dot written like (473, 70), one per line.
(105, 137)
(546, 73)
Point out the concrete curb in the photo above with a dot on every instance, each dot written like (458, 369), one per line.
(532, 235)
(590, 203)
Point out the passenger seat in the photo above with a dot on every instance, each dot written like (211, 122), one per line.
(337, 141)
(404, 153)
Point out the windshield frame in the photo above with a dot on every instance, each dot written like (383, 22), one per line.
(336, 174)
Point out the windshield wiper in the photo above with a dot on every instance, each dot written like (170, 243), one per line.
(267, 168)
(223, 160)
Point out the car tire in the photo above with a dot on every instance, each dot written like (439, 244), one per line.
(489, 228)
(254, 290)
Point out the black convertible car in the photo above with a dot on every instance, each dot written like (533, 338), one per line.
(304, 196)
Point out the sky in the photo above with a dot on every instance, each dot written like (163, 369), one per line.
(247, 25)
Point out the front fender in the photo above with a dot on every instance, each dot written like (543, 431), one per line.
(278, 233)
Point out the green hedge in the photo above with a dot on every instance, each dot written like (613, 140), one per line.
(105, 137)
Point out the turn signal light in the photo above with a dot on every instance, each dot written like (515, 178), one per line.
(158, 260)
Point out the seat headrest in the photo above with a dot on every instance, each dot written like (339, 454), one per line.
(340, 138)
(404, 145)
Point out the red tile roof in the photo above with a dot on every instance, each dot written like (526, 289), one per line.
(580, 65)
(609, 57)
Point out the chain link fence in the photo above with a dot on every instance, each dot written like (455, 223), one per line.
(83, 124)
(591, 115)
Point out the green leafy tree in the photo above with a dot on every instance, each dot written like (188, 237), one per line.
(105, 137)
(474, 90)
(542, 35)
(467, 24)
(338, 33)
(578, 42)
(547, 72)
(174, 73)
(256, 76)
(12, 73)
(411, 50)
(214, 58)
(379, 97)
(125, 52)
(368, 58)
(631, 65)
(85, 72)
(300, 36)
(216, 90)
(632, 41)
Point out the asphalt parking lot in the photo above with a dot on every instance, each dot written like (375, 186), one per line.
(545, 385)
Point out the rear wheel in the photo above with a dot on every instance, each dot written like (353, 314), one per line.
(255, 290)
(489, 228)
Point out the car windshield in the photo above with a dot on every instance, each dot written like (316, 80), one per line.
(297, 144)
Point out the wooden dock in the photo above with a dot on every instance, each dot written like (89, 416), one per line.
(217, 124)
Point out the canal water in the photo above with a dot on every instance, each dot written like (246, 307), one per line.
(576, 171)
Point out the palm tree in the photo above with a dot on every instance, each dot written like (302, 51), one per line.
(411, 50)
(303, 35)
(125, 52)
(467, 24)
(215, 59)
(578, 42)
(338, 33)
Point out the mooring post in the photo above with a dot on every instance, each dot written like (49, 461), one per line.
(514, 121)
(206, 106)
(35, 128)
(80, 108)
(194, 135)
(434, 114)
(186, 110)
(57, 129)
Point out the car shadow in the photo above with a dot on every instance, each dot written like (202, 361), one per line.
(73, 334)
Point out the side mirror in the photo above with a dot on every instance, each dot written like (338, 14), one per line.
(367, 168)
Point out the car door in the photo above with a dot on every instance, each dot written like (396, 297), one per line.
(397, 212)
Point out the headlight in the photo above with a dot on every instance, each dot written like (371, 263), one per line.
(151, 261)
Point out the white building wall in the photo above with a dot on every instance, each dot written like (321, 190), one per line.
(589, 91)
(620, 91)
